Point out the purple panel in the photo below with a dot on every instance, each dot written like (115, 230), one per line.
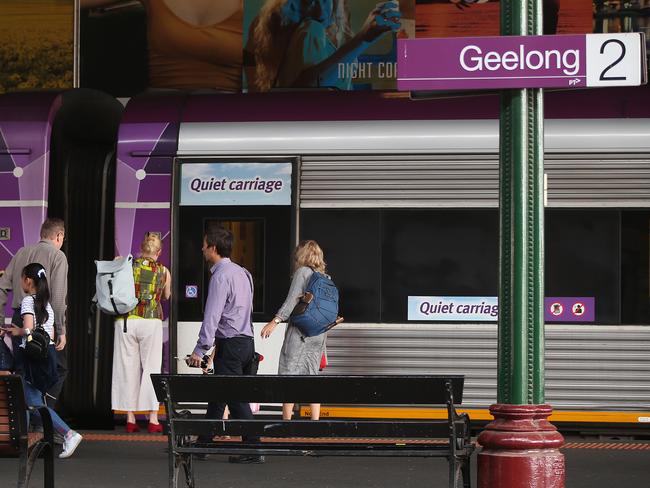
(159, 165)
(156, 188)
(9, 186)
(6, 161)
(25, 129)
(127, 184)
(332, 106)
(152, 220)
(569, 309)
(33, 182)
(149, 128)
(11, 218)
(131, 224)
(491, 62)
(124, 218)
(32, 217)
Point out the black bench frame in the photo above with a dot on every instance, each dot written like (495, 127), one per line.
(406, 436)
(14, 436)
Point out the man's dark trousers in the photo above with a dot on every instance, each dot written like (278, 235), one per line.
(234, 357)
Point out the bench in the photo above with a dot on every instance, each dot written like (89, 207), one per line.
(15, 441)
(448, 438)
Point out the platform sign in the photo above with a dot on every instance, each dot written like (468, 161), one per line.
(568, 61)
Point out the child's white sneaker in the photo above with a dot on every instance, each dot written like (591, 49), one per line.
(70, 443)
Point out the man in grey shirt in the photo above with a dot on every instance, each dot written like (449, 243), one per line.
(48, 253)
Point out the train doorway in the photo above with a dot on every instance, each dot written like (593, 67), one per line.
(256, 201)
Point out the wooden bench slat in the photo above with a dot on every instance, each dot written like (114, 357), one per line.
(306, 428)
(386, 390)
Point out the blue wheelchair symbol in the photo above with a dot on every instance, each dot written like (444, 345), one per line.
(191, 291)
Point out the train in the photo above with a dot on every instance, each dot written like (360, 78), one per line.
(402, 194)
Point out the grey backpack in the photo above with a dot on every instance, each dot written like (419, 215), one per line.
(115, 287)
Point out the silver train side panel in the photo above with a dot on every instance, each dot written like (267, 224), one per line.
(587, 367)
(591, 163)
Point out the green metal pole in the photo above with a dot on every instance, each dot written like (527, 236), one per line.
(520, 448)
(521, 293)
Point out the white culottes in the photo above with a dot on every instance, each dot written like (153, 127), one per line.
(136, 354)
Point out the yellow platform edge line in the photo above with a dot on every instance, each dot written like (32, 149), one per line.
(476, 414)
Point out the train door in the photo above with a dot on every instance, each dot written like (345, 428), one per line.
(255, 200)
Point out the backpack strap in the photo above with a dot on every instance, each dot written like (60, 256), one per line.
(110, 289)
(250, 280)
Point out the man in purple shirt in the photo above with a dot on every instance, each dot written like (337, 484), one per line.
(227, 324)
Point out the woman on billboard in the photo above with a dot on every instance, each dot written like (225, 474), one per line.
(303, 43)
(192, 45)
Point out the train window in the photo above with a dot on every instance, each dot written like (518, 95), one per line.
(262, 244)
(351, 242)
(582, 249)
(635, 267)
(438, 253)
(379, 257)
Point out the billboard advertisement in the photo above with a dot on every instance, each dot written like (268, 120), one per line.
(262, 45)
(36, 45)
(329, 44)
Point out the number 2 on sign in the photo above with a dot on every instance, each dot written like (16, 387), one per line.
(618, 60)
(614, 59)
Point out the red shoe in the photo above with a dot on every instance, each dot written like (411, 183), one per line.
(155, 428)
(132, 427)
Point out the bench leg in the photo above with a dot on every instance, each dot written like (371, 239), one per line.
(183, 461)
(23, 472)
(467, 473)
(48, 461)
(188, 467)
(48, 466)
(455, 472)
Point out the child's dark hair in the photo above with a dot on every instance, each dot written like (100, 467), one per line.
(36, 272)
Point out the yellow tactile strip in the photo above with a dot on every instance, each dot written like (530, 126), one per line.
(633, 446)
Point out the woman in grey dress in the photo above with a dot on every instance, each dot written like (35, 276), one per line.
(300, 355)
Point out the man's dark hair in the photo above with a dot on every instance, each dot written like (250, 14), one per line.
(220, 238)
(51, 227)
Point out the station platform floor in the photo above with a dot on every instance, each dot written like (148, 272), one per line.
(112, 459)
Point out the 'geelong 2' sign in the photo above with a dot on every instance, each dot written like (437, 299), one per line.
(521, 62)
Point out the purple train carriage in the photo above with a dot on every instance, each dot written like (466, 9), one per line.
(401, 194)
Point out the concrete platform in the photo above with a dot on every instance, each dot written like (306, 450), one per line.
(109, 459)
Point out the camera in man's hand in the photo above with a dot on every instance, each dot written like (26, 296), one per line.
(205, 360)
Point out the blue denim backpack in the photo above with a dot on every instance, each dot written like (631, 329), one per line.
(318, 308)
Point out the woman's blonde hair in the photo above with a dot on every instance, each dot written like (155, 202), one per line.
(151, 244)
(280, 15)
(308, 253)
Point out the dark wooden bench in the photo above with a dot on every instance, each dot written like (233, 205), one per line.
(448, 438)
(15, 441)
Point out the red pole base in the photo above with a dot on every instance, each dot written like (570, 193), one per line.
(520, 449)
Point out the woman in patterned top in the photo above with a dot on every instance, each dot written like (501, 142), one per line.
(138, 345)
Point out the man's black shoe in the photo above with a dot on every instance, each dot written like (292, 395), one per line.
(246, 459)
